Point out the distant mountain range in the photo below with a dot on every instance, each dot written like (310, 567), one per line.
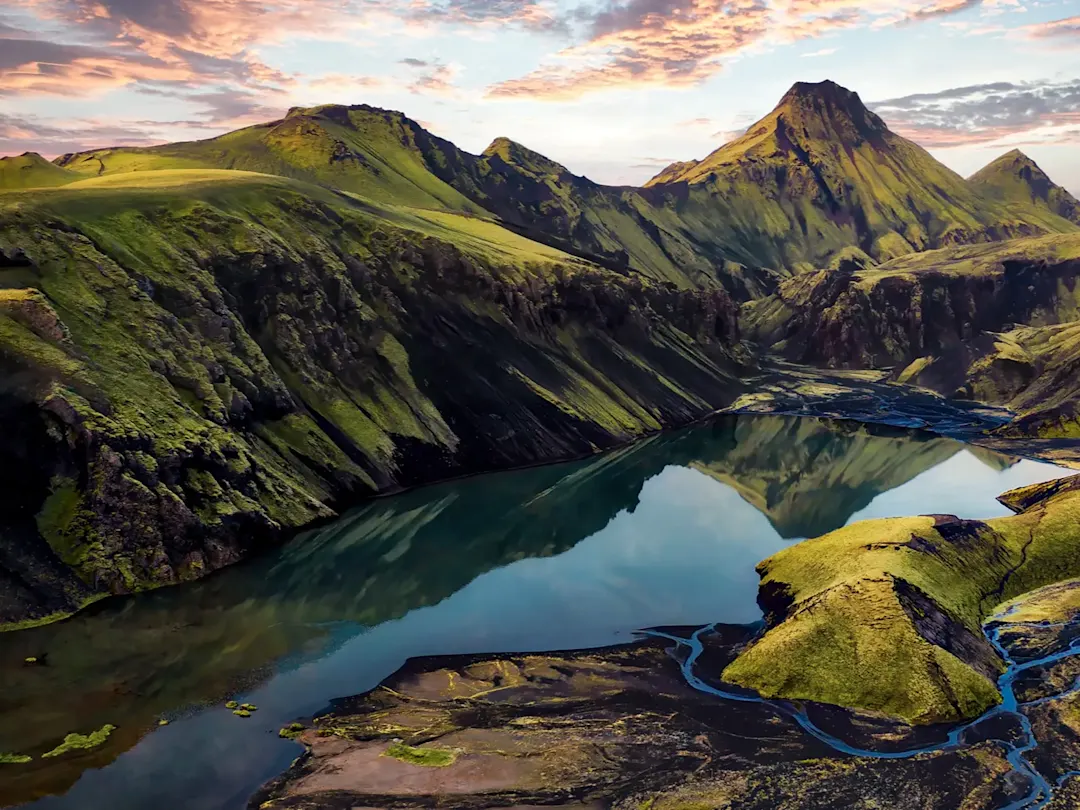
(818, 180)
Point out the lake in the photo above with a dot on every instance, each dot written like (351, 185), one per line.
(666, 532)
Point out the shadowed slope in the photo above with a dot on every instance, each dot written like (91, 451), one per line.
(934, 304)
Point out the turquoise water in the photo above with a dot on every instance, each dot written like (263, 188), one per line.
(664, 533)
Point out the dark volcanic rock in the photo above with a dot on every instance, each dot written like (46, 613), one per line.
(608, 728)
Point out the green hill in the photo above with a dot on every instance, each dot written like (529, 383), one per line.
(821, 173)
(819, 178)
(388, 158)
(31, 170)
(1016, 178)
(363, 150)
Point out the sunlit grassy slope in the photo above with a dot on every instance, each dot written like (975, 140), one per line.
(244, 192)
(31, 170)
(819, 177)
(359, 149)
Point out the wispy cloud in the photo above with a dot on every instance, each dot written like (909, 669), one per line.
(679, 43)
(980, 114)
(816, 54)
(432, 76)
(51, 138)
(1068, 28)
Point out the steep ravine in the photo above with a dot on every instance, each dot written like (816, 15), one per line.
(187, 380)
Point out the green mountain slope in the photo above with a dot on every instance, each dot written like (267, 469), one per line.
(358, 149)
(31, 170)
(818, 179)
(1016, 178)
(388, 158)
(194, 362)
(821, 173)
(887, 615)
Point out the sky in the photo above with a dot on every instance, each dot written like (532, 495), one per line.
(612, 89)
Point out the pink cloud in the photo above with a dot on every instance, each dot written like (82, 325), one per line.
(678, 43)
(1068, 27)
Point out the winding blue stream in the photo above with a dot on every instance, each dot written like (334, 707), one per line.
(1041, 793)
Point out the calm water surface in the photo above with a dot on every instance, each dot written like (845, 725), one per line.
(575, 555)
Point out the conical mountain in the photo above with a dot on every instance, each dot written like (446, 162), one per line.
(31, 170)
(1016, 178)
(821, 173)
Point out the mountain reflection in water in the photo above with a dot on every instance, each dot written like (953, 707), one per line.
(666, 532)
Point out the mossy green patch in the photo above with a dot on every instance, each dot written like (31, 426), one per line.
(14, 759)
(425, 757)
(871, 616)
(292, 731)
(82, 742)
(237, 354)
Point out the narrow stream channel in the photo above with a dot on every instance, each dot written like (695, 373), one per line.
(1042, 791)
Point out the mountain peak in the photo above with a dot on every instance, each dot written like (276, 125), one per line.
(812, 121)
(827, 90)
(827, 109)
(522, 157)
(1015, 177)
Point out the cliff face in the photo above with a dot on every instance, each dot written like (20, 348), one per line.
(938, 304)
(188, 376)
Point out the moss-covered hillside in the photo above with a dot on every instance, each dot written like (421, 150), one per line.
(1034, 370)
(819, 177)
(391, 159)
(886, 615)
(1016, 178)
(195, 362)
(31, 170)
(822, 173)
